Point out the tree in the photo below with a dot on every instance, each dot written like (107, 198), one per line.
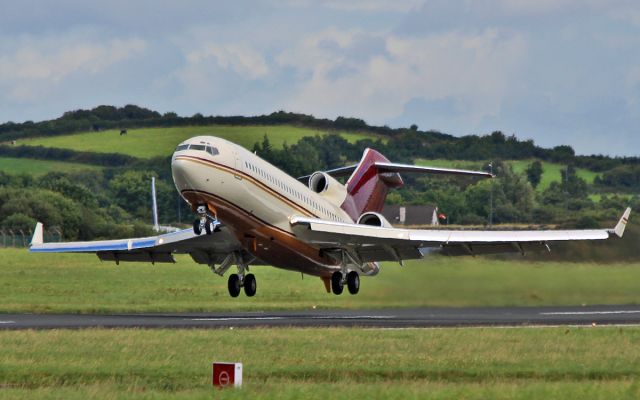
(534, 173)
(19, 222)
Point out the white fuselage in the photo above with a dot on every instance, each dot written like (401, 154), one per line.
(254, 199)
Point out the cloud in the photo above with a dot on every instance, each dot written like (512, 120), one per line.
(355, 5)
(238, 58)
(472, 69)
(32, 67)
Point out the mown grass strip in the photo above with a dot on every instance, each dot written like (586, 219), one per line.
(78, 283)
(321, 363)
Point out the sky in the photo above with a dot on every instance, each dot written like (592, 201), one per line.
(555, 71)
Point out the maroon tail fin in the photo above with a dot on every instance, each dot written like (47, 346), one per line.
(367, 189)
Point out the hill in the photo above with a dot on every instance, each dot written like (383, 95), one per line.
(161, 141)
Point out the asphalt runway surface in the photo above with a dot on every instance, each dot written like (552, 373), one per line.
(379, 318)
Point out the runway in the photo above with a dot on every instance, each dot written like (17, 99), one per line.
(378, 318)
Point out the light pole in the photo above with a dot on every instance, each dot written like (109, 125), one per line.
(491, 196)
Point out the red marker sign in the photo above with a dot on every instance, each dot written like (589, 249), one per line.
(227, 374)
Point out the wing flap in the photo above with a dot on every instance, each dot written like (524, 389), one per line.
(147, 256)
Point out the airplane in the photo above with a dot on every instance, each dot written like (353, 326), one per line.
(251, 213)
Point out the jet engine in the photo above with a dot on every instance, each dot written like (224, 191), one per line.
(328, 187)
(374, 219)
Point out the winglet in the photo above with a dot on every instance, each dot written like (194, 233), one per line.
(619, 229)
(38, 236)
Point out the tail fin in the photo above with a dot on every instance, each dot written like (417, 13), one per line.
(367, 188)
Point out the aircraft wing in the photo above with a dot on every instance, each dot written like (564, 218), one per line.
(373, 243)
(204, 249)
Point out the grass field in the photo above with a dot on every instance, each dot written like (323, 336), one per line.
(39, 167)
(550, 171)
(81, 283)
(152, 142)
(472, 363)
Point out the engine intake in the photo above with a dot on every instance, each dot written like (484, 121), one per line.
(374, 219)
(328, 187)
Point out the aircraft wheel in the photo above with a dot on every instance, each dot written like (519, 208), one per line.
(250, 285)
(197, 229)
(209, 226)
(337, 285)
(234, 285)
(353, 282)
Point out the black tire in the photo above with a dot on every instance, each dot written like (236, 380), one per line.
(250, 285)
(234, 285)
(197, 229)
(208, 227)
(337, 286)
(353, 282)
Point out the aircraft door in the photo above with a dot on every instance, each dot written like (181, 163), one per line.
(238, 165)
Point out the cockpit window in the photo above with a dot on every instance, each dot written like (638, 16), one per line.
(182, 147)
(212, 150)
(197, 147)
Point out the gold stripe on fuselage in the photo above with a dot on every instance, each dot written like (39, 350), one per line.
(257, 183)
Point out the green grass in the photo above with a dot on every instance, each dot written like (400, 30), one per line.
(152, 142)
(39, 167)
(550, 171)
(472, 363)
(81, 283)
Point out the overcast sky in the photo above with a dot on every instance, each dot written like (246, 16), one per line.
(556, 71)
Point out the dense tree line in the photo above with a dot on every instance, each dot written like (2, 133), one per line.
(510, 198)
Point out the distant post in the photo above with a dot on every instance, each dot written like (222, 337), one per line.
(154, 204)
(491, 196)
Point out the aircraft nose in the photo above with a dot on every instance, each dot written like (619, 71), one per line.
(180, 173)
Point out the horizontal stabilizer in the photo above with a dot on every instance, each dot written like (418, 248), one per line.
(392, 167)
(384, 167)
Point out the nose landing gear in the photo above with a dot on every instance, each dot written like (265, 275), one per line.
(205, 221)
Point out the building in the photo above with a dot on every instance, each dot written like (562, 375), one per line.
(411, 215)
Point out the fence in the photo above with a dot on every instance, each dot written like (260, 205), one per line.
(20, 238)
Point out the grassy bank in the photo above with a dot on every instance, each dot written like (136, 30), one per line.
(567, 363)
(160, 142)
(35, 167)
(81, 283)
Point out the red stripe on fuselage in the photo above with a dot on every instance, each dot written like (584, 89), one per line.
(273, 245)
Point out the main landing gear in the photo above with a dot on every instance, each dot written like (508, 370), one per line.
(241, 280)
(352, 279)
(236, 283)
(204, 222)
